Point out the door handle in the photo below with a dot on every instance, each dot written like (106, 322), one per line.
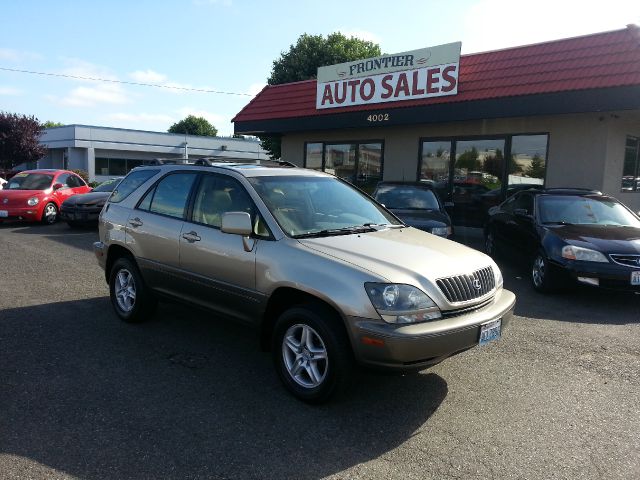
(191, 237)
(135, 222)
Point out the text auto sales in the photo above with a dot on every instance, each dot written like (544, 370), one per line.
(403, 85)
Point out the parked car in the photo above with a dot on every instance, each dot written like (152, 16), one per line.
(329, 276)
(84, 209)
(568, 236)
(417, 205)
(36, 195)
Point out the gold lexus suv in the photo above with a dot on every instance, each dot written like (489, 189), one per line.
(329, 277)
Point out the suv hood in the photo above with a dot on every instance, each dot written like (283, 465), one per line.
(403, 255)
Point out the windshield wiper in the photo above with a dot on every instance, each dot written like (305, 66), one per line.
(367, 227)
(558, 223)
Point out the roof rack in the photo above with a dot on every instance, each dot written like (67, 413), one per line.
(212, 161)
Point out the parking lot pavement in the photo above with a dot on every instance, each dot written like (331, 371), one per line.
(83, 395)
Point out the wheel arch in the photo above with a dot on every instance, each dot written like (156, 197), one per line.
(284, 298)
(114, 253)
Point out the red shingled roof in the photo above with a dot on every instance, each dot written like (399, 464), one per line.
(601, 60)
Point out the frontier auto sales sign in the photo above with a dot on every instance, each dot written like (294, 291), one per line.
(424, 73)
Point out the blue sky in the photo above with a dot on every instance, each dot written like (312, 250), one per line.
(229, 46)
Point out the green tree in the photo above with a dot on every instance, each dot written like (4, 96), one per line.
(19, 140)
(302, 60)
(52, 124)
(537, 168)
(193, 125)
(469, 160)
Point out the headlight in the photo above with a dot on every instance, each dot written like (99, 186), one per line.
(33, 201)
(398, 303)
(571, 252)
(441, 231)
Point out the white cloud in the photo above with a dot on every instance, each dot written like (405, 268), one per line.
(10, 91)
(12, 55)
(361, 34)
(80, 68)
(148, 76)
(159, 122)
(496, 24)
(92, 96)
(255, 88)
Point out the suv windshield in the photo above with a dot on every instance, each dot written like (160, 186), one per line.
(578, 210)
(319, 206)
(29, 181)
(407, 197)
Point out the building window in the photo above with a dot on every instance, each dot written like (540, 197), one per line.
(631, 168)
(115, 166)
(473, 174)
(360, 163)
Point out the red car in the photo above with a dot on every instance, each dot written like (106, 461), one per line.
(36, 195)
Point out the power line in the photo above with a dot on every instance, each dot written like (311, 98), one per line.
(95, 79)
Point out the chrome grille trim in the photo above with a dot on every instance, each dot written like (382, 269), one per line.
(628, 260)
(461, 288)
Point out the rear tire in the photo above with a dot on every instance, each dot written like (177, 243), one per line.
(131, 299)
(312, 353)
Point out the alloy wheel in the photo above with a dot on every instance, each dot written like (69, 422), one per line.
(305, 356)
(50, 213)
(125, 290)
(538, 271)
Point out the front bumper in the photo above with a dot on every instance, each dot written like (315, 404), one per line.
(609, 276)
(30, 214)
(78, 215)
(417, 346)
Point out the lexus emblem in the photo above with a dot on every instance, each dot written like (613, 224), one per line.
(476, 284)
(6, 200)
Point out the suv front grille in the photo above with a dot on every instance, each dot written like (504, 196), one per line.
(626, 260)
(463, 288)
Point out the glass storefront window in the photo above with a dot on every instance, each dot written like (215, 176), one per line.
(631, 168)
(369, 166)
(313, 156)
(102, 166)
(341, 161)
(434, 166)
(528, 164)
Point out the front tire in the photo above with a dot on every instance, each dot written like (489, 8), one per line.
(130, 297)
(311, 352)
(50, 214)
(543, 278)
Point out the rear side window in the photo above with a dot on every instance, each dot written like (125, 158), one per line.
(130, 183)
(170, 195)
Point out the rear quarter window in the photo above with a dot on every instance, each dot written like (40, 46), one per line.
(130, 184)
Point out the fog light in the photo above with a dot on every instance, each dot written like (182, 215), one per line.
(590, 281)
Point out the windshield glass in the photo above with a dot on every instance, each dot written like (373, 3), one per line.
(107, 186)
(29, 181)
(407, 197)
(318, 205)
(584, 211)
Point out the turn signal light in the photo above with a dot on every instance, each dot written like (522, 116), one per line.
(372, 341)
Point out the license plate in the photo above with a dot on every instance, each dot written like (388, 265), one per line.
(4, 213)
(490, 331)
(635, 278)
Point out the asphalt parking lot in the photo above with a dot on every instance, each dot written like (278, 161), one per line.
(187, 395)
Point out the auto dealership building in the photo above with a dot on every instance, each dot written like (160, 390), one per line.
(564, 113)
(106, 152)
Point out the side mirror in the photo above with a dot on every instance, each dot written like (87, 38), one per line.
(237, 223)
(58, 186)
